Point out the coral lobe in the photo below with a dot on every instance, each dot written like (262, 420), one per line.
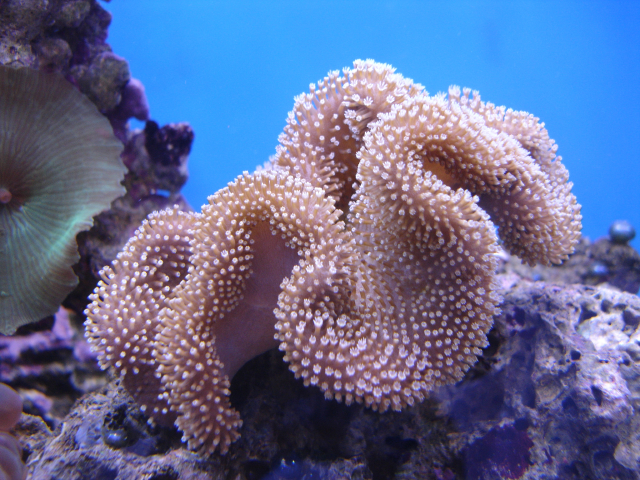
(365, 250)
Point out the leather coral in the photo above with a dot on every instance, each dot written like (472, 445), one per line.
(423, 289)
(266, 239)
(366, 250)
(122, 316)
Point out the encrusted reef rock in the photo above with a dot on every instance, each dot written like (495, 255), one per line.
(51, 365)
(67, 37)
(562, 369)
(156, 160)
(603, 261)
(553, 397)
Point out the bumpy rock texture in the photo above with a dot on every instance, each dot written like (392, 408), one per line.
(604, 260)
(68, 37)
(51, 367)
(560, 368)
(552, 397)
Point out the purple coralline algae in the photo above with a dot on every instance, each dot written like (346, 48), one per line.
(67, 37)
(133, 105)
(561, 363)
(51, 367)
(503, 452)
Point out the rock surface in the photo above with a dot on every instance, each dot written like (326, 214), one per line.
(603, 261)
(50, 368)
(553, 397)
(66, 36)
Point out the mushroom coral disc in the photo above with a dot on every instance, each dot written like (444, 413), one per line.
(59, 166)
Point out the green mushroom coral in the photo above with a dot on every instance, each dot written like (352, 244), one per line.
(59, 166)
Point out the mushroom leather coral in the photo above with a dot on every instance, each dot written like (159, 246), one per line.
(256, 238)
(364, 251)
(59, 166)
(150, 266)
(261, 232)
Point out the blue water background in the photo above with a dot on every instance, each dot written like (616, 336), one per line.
(231, 69)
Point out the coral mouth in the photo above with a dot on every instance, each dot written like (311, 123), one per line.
(5, 196)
